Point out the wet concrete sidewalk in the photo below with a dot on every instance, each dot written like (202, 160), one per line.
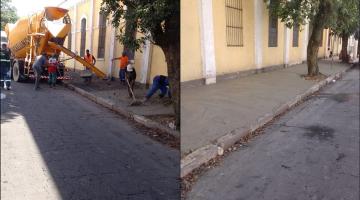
(116, 94)
(213, 111)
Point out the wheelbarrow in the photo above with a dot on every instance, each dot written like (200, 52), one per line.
(86, 75)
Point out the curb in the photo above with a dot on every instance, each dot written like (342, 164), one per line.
(202, 155)
(110, 105)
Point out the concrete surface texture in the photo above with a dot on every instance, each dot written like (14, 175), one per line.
(116, 93)
(56, 144)
(211, 111)
(310, 153)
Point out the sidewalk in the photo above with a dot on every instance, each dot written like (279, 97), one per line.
(155, 113)
(218, 115)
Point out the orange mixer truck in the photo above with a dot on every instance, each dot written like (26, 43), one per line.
(44, 31)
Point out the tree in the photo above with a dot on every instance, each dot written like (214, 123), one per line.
(346, 24)
(318, 13)
(157, 21)
(8, 13)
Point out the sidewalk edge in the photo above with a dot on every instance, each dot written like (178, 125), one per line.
(135, 117)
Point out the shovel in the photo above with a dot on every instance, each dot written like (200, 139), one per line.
(134, 102)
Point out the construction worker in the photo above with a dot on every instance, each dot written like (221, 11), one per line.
(52, 70)
(38, 65)
(123, 64)
(161, 83)
(90, 59)
(130, 77)
(5, 66)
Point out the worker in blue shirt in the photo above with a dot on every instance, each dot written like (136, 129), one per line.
(161, 83)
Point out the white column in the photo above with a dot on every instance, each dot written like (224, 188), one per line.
(286, 45)
(356, 49)
(305, 42)
(146, 62)
(327, 43)
(207, 41)
(258, 14)
(112, 51)
(91, 27)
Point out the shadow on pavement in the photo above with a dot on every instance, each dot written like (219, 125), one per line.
(89, 152)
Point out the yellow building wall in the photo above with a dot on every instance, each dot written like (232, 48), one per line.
(295, 53)
(233, 59)
(190, 55)
(322, 49)
(272, 55)
(158, 65)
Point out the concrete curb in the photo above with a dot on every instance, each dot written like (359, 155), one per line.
(202, 155)
(110, 105)
(196, 158)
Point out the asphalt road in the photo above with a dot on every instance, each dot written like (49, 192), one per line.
(311, 153)
(56, 144)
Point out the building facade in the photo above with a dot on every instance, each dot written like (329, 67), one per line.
(222, 37)
(91, 30)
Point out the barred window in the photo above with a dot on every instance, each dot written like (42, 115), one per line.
(234, 23)
(83, 37)
(273, 30)
(102, 35)
(296, 35)
(69, 40)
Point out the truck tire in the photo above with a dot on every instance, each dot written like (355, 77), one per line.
(18, 71)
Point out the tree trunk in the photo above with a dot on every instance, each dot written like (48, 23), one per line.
(358, 50)
(343, 53)
(130, 33)
(172, 55)
(312, 52)
(318, 25)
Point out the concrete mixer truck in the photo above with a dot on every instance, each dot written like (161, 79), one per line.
(44, 31)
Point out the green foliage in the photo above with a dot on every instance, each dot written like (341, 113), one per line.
(300, 11)
(348, 16)
(8, 13)
(152, 18)
(343, 17)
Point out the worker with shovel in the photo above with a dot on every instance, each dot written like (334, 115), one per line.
(130, 76)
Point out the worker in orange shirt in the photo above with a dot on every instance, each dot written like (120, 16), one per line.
(123, 63)
(89, 58)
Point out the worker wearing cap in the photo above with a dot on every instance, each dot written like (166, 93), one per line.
(123, 64)
(130, 76)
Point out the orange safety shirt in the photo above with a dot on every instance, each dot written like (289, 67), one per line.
(123, 62)
(89, 59)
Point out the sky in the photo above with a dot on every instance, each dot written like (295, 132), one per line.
(27, 7)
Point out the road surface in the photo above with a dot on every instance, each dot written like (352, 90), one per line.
(56, 144)
(311, 153)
